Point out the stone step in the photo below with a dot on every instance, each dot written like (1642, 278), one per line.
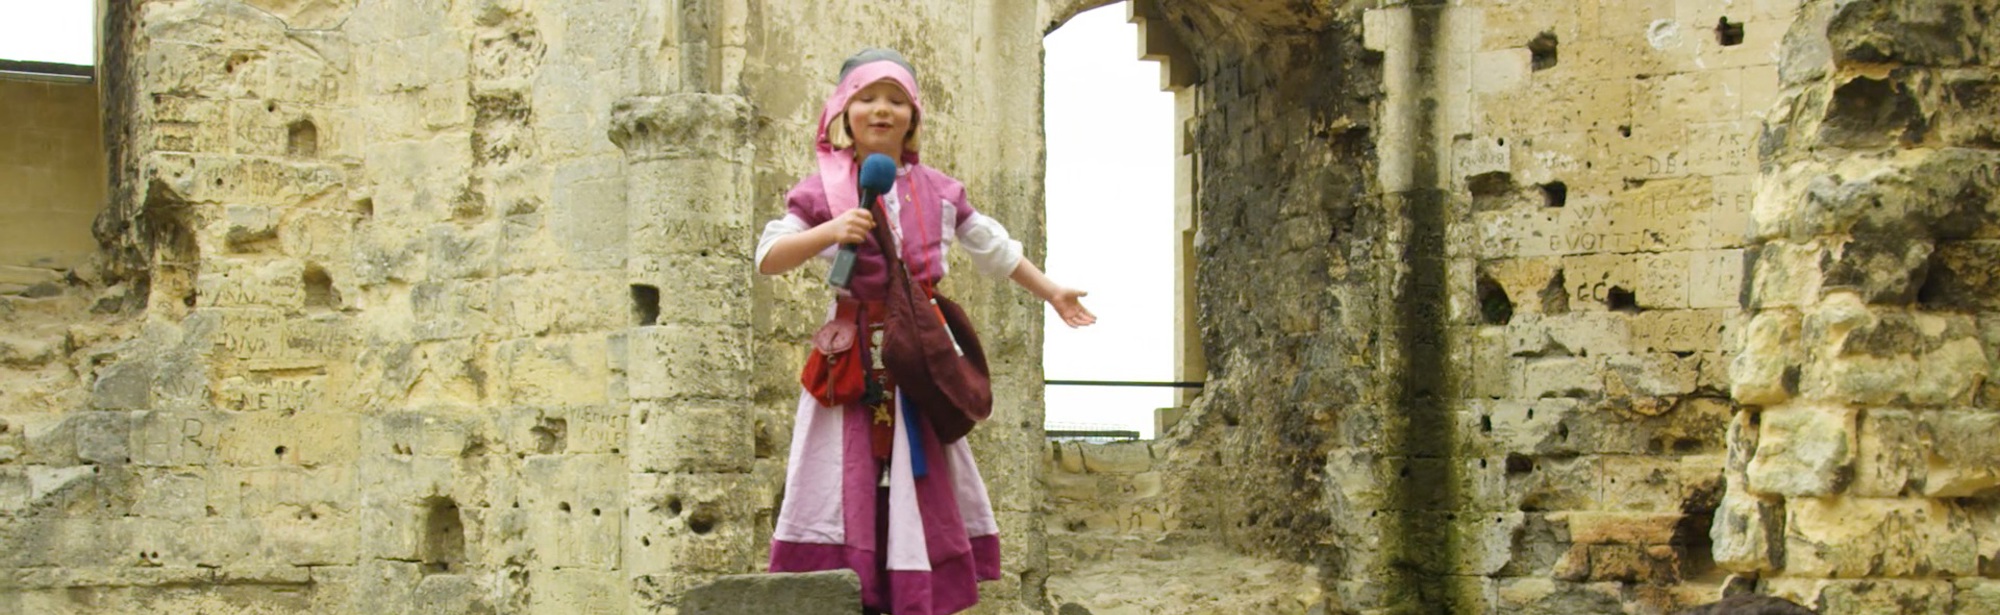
(833, 592)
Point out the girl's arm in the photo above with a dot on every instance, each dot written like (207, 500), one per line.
(790, 251)
(1065, 300)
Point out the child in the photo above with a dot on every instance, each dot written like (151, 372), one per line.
(919, 539)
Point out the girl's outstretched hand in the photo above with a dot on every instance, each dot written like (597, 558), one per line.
(1066, 302)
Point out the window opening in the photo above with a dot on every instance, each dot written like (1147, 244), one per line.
(1112, 231)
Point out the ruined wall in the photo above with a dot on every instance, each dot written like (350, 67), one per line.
(1469, 281)
(1507, 306)
(1473, 301)
(447, 306)
(1862, 470)
(52, 163)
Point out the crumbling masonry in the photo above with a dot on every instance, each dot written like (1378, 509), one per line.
(386, 306)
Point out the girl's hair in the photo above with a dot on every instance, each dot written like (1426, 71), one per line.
(841, 137)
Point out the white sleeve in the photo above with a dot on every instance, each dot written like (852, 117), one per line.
(993, 252)
(778, 229)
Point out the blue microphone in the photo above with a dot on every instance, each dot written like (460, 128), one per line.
(878, 177)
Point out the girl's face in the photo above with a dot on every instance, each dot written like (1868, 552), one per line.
(879, 118)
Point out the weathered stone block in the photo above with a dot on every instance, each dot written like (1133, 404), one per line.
(1964, 456)
(103, 437)
(292, 491)
(530, 306)
(1962, 276)
(553, 371)
(1883, 596)
(1971, 596)
(1555, 483)
(126, 385)
(673, 361)
(1889, 454)
(561, 592)
(1858, 538)
(693, 524)
(564, 429)
(1803, 451)
(1117, 458)
(305, 439)
(577, 517)
(829, 593)
(174, 438)
(178, 495)
(1650, 376)
(1641, 484)
(14, 490)
(1767, 370)
(244, 282)
(1785, 274)
(1715, 279)
(438, 431)
(1746, 532)
(1562, 377)
(689, 437)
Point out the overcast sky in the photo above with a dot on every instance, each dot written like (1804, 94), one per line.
(1110, 201)
(47, 31)
(1110, 221)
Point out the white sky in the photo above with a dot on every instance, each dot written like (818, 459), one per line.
(56, 31)
(1110, 201)
(1110, 222)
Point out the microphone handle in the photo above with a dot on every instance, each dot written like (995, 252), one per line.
(843, 262)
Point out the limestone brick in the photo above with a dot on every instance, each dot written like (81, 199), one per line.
(1803, 451)
(1767, 371)
(1857, 538)
(1889, 454)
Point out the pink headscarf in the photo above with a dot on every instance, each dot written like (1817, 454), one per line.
(836, 166)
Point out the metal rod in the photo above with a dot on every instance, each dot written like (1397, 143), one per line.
(1122, 383)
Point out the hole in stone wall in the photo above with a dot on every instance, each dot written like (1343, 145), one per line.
(320, 294)
(1495, 308)
(562, 506)
(762, 444)
(1555, 194)
(302, 139)
(1542, 50)
(1492, 184)
(280, 451)
(1555, 296)
(1868, 112)
(1625, 131)
(674, 506)
(701, 522)
(551, 435)
(1519, 464)
(1485, 424)
(1620, 300)
(443, 545)
(1729, 34)
(176, 254)
(365, 207)
(645, 305)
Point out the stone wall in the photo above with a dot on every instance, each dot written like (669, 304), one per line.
(1506, 306)
(1862, 470)
(448, 306)
(52, 162)
(1469, 285)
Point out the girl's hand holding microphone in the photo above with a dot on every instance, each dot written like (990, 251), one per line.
(851, 227)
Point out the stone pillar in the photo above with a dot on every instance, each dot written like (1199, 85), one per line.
(690, 449)
(1862, 467)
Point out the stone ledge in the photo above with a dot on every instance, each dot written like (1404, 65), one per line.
(836, 592)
